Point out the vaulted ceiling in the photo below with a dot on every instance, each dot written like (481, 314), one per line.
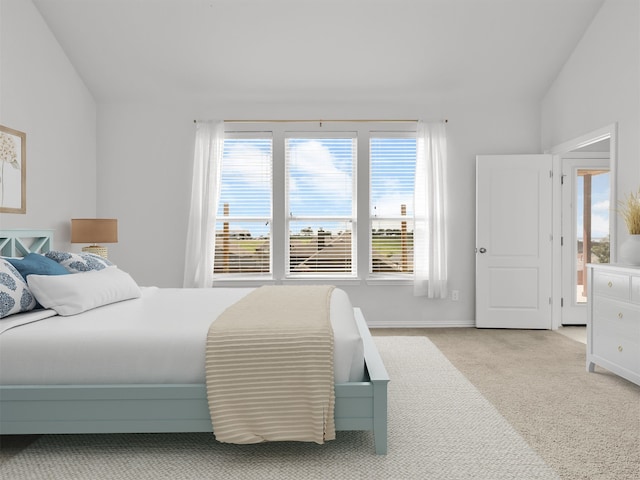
(316, 50)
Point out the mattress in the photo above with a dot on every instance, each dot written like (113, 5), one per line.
(159, 338)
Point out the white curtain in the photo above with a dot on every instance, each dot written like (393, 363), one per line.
(429, 237)
(205, 191)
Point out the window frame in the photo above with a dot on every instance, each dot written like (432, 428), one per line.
(361, 228)
(391, 218)
(351, 218)
(261, 135)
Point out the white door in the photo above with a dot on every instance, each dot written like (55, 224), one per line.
(585, 230)
(513, 241)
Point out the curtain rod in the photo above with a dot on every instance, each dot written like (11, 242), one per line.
(320, 121)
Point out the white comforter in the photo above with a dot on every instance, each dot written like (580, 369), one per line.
(158, 338)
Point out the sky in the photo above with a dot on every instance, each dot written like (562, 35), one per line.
(320, 175)
(600, 206)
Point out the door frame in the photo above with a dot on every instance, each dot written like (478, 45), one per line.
(572, 313)
(608, 132)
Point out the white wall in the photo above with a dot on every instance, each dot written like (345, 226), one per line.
(600, 85)
(144, 178)
(144, 153)
(42, 95)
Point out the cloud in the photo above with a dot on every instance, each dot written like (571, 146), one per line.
(601, 206)
(320, 182)
(599, 226)
(246, 183)
(248, 163)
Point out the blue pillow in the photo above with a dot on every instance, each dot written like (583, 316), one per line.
(37, 264)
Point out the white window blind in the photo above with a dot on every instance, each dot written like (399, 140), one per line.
(320, 196)
(392, 173)
(244, 217)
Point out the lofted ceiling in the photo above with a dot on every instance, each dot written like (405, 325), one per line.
(317, 50)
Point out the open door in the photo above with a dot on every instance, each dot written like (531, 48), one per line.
(513, 241)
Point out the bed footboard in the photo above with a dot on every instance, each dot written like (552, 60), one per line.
(369, 409)
(42, 409)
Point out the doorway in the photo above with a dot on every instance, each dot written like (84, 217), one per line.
(584, 167)
(585, 228)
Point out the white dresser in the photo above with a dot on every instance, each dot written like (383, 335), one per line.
(613, 325)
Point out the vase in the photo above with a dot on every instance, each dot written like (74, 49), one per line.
(629, 252)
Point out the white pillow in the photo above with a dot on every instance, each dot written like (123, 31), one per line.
(72, 294)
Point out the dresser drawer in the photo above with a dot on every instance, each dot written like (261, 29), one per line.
(611, 285)
(635, 290)
(616, 333)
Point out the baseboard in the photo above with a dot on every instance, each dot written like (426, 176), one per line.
(423, 324)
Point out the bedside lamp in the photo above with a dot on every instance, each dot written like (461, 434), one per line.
(94, 231)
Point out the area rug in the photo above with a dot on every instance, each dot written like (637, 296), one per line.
(440, 427)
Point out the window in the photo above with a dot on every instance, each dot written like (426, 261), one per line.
(320, 201)
(316, 200)
(243, 220)
(392, 166)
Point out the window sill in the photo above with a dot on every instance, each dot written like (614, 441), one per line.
(389, 281)
(240, 281)
(323, 280)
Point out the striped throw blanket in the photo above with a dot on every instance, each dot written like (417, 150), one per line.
(269, 367)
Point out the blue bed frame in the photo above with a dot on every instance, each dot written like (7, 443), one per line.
(155, 408)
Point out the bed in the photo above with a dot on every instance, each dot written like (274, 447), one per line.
(170, 401)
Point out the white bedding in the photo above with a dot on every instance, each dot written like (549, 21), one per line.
(159, 338)
(13, 321)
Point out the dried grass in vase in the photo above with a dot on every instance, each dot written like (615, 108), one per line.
(630, 212)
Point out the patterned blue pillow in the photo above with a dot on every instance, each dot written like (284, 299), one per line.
(79, 262)
(15, 296)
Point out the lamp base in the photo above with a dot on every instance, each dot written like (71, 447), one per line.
(97, 250)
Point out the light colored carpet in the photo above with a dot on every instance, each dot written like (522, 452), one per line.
(440, 427)
(584, 425)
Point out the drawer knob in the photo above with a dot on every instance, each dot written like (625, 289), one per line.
(620, 348)
(620, 315)
(610, 284)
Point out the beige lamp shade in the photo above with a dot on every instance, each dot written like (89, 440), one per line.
(94, 231)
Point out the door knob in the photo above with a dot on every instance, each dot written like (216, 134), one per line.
(483, 250)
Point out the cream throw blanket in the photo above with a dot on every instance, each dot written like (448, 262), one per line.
(269, 367)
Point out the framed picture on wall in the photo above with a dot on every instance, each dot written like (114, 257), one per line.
(13, 171)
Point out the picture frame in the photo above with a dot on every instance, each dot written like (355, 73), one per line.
(13, 170)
